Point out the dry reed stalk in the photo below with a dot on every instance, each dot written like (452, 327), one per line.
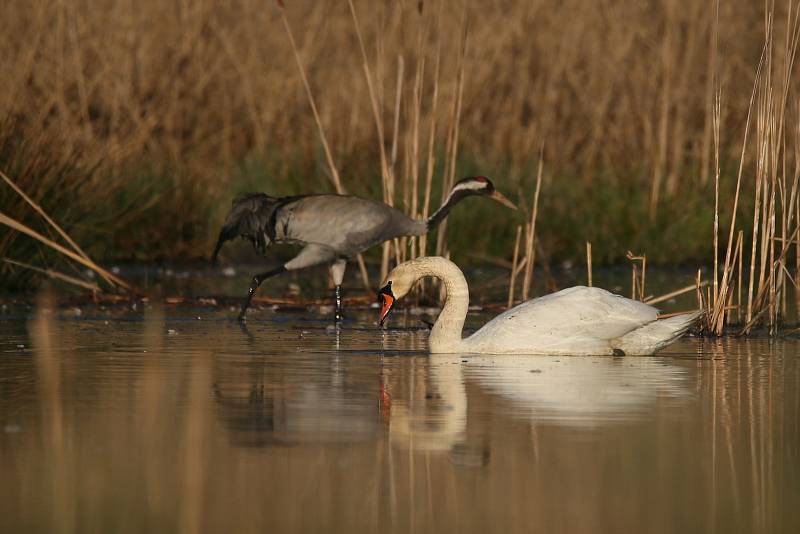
(672, 294)
(453, 138)
(589, 263)
(637, 279)
(19, 227)
(699, 290)
(387, 179)
(724, 302)
(521, 265)
(51, 273)
(399, 243)
(530, 251)
(398, 99)
(761, 302)
(414, 149)
(770, 159)
(716, 315)
(513, 281)
(712, 92)
(431, 156)
(337, 182)
(795, 207)
(334, 172)
(38, 209)
(715, 114)
(740, 252)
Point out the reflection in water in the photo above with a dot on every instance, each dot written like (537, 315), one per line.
(167, 424)
(265, 403)
(580, 390)
(430, 408)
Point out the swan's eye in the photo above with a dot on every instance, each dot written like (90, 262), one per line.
(387, 289)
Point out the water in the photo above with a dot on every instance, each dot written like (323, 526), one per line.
(169, 419)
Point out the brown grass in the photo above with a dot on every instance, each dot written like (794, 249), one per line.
(203, 85)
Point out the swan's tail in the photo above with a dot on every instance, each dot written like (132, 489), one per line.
(656, 335)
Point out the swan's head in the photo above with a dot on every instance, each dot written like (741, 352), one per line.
(397, 285)
(479, 185)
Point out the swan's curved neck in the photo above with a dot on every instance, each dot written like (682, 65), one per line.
(446, 333)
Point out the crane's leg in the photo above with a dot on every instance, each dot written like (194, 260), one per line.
(337, 273)
(310, 255)
(257, 279)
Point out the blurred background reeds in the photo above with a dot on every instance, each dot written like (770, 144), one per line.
(136, 123)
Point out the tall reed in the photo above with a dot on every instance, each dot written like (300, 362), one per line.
(775, 226)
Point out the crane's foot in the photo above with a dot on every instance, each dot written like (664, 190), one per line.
(338, 314)
(257, 279)
(250, 292)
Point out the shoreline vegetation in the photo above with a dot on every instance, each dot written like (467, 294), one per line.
(652, 134)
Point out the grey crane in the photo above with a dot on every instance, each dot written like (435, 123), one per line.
(331, 228)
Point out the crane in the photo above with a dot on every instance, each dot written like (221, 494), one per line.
(331, 228)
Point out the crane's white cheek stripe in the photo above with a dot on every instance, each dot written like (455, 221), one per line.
(471, 186)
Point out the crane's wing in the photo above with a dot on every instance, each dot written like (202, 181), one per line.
(250, 217)
(579, 318)
(346, 224)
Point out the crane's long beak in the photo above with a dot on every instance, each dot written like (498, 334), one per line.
(387, 301)
(501, 198)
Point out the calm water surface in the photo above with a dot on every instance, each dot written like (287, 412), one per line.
(166, 420)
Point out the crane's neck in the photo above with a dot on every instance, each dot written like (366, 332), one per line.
(446, 333)
(456, 196)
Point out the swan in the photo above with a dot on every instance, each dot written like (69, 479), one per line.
(577, 320)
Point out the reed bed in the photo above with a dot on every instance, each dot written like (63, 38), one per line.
(138, 125)
(775, 155)
(173, 104)
(206, 84)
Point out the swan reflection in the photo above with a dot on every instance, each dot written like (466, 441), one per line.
(565, 391)
(579, 390)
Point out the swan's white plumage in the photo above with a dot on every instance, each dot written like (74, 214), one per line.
(579, 320)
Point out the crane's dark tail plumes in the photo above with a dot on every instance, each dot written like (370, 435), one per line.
(250, 217)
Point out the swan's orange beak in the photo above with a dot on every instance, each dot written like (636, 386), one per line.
(501, 198)
(387, 301)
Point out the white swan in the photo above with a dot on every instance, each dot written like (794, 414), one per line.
(578, 320)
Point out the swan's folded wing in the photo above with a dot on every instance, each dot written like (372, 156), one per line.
(579, 319)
